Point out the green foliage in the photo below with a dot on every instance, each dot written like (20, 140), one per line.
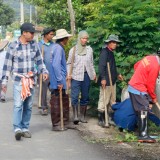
(154, 130)
(7, 14)
(13, 26)
(56, 13)
(126, 137)
(137, 24)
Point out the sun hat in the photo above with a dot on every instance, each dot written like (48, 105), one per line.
(28, 27)
(112, 37)
(61, 33)
(3, 44)
(47, 30)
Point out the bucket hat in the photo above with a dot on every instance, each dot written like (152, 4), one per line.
(47, 30)
(3, 44)
(112, 37)
(61, 33)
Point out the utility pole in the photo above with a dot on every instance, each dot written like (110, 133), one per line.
(36, 15)
(21, 12)
(30, 19)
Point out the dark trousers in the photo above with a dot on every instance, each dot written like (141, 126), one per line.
(44, 94)
(80, 86)
(140, 102)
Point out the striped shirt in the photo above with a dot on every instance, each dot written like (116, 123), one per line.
(20, 59)
(81, 64)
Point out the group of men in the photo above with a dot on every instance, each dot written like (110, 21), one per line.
(25, 58)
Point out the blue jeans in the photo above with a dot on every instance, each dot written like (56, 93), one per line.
(83, 87)
(22, 109)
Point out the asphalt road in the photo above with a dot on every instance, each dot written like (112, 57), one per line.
(45, 144)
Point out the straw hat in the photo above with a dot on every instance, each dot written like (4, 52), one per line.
(61, 33)
(113, 38)
(3, 44)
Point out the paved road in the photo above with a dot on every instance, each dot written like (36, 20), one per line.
(45, 144)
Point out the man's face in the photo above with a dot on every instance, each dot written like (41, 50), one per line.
(112, 45)
(28, 36)
(49, 36)
(66, 41)
(84, 41)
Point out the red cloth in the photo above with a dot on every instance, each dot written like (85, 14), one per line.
(27, 83)
(145, 75)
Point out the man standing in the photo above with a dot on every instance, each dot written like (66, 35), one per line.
(107, 85)
(142, 91)
(58, 75)
(21, 57)
(46, 46)
(3, 45)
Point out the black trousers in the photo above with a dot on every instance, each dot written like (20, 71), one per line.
(140, 102)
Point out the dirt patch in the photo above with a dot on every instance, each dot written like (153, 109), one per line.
(93, 133)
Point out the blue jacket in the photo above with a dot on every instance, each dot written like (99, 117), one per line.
(58, 70)
(125, 117)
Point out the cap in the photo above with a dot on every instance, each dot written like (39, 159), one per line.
(47, 30)
(29, 27)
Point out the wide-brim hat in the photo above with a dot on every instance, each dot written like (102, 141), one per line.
(3, 44)
(113, 38)
(61, 33)
(47, 30)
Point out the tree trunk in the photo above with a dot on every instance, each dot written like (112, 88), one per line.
(72, 16)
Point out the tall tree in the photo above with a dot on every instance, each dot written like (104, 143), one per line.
(6, 14)
(72, 16)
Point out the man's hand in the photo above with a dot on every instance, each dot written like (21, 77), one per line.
(103, 82)
(45, 77)
(95, 79)
(69, 77)
(60, 86)
(120, 77)
(154, 101)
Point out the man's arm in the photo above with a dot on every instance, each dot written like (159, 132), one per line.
(7, 67)
(103, 67)
(56, 64)
(40, 64)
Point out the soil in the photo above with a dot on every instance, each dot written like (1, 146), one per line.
(93, 133)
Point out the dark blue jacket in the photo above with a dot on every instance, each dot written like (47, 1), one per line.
(125, 117)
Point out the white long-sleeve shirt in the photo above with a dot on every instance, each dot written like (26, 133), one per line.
(81, 64)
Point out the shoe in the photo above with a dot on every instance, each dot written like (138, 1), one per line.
(44, 112)
(146, 139)
(3, 100)
(18, 135)
(143, 128)
(75, 115)
(26, 134)
(101, 120)
(83, 114)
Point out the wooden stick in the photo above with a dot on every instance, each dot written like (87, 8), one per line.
(158, 106)
(40, 83)
(71, 69)
(105, 106)
(110, 80)
(61, 110)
